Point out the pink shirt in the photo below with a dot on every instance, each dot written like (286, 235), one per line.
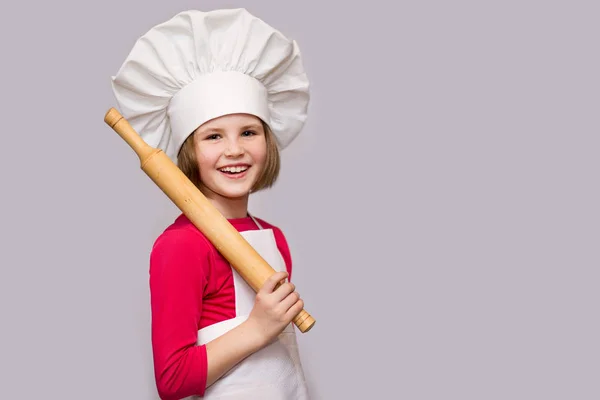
(191, 287)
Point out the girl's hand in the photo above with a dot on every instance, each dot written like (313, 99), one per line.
(274, 308)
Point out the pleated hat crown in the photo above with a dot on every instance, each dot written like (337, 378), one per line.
(198, 66)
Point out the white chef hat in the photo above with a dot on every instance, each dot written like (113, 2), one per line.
(201, 65)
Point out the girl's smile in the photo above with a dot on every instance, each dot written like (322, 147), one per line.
(235, 171)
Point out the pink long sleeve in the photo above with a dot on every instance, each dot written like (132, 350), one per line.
(177, 283)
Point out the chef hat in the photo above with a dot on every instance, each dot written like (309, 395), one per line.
(201, 65)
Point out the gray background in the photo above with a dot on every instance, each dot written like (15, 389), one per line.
(441, 204)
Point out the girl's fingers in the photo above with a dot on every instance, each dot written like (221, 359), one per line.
(288, 301)
(272, 282)
(283, 291)
(294, 309)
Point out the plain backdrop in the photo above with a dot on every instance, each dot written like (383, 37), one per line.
(441, 204)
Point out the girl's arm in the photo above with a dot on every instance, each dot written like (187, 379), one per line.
(179, 264)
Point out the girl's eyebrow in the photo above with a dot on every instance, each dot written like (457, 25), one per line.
(251, 126)
(210, 130)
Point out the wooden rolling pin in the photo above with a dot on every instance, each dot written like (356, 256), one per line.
(194, 205)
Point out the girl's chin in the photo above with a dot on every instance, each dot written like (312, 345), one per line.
(232, 193)
(233, 189)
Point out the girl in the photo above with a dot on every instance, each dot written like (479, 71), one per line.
(221, 93)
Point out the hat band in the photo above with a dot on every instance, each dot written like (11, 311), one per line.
(214, 95)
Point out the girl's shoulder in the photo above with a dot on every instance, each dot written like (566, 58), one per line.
(182, 234)
(183, 239)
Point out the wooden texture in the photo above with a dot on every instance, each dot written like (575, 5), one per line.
(190, 200)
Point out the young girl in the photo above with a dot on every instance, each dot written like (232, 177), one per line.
(221, 93)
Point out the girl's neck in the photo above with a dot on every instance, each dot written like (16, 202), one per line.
(231, 208)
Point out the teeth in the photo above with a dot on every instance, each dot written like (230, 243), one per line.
(234, 169)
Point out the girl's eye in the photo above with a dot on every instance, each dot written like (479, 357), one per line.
(248, 133)
(213, 137)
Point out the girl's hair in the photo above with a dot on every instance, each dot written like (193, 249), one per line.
(186, 160)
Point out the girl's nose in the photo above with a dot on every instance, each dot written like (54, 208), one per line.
(234, 149)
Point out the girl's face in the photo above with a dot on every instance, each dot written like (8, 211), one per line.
(231, 152)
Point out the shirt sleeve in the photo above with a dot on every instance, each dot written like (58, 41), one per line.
(179, 265)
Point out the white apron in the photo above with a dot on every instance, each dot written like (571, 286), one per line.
(275, 371)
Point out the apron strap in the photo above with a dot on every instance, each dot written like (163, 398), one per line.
(255, 221)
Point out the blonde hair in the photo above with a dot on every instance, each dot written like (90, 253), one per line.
(186, 160)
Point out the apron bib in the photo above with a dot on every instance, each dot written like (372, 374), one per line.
(275, 371)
